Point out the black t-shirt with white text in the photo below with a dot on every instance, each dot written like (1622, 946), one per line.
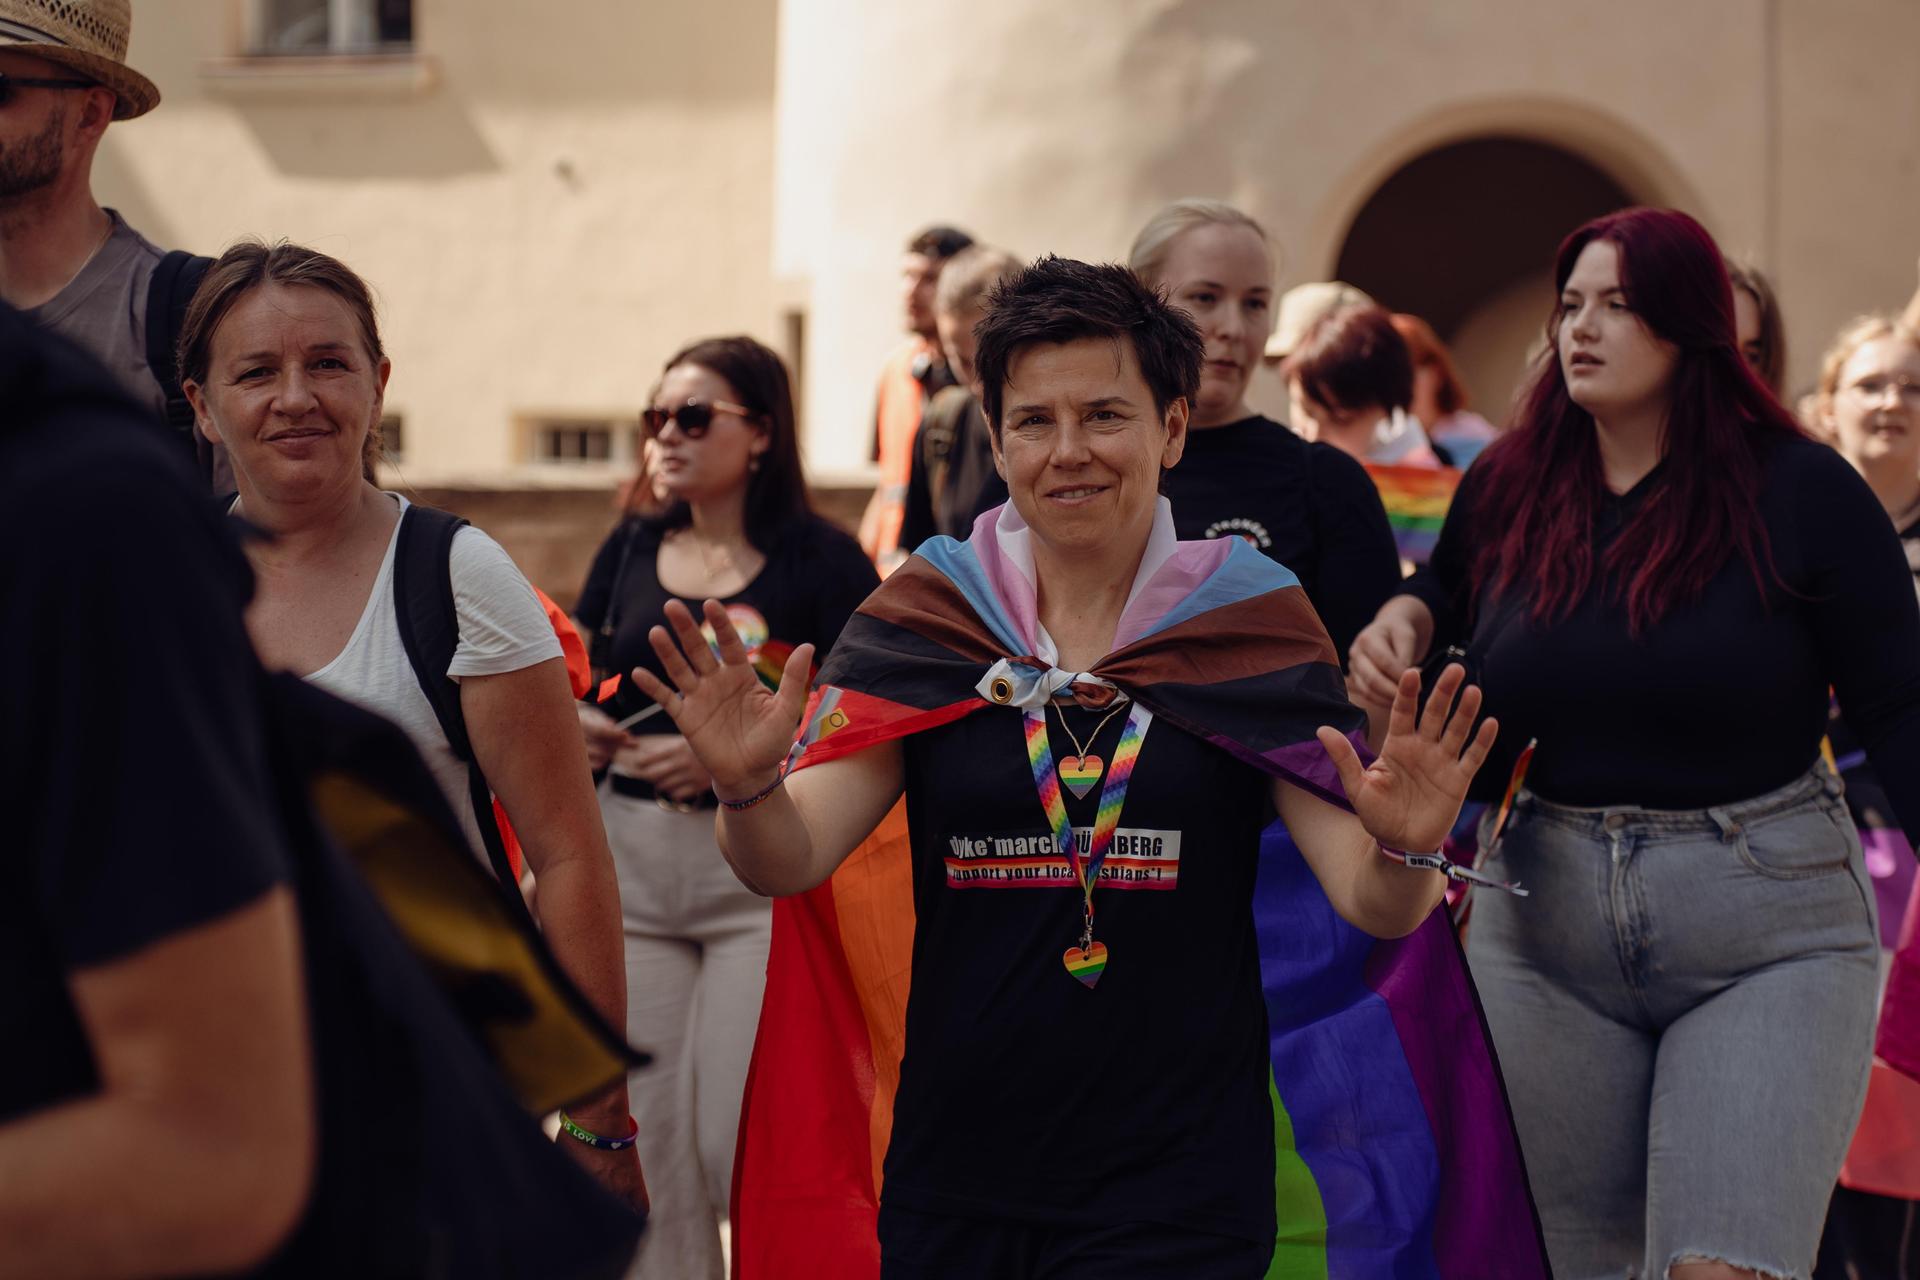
(1308, 506)
(1023, 1094)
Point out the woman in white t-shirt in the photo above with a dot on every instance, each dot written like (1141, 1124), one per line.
(281, 358)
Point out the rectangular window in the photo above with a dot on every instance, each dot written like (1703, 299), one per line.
(573, 440)
(321, 27)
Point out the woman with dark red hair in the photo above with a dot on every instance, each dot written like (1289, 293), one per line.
(1658, 576)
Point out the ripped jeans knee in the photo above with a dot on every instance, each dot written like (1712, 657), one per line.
(1689, 1266)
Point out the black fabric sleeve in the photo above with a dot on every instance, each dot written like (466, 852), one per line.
(1865, 621)
(839, 577)
(1358, 563)
(597, 592)
(1442, 583)
(139, 755)
(916, 519)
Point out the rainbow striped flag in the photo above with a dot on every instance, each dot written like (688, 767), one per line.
(1395, 1150)
(1416, 499)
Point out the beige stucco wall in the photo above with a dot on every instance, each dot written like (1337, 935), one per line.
(582, 189)
(1061, 127)
(1849, 188)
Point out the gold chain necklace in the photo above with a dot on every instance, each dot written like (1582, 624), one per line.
(707, 553)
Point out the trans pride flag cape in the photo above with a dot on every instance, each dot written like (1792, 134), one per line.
(1395, 1150)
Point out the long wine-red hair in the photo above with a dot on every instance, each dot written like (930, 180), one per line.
(1542, 485)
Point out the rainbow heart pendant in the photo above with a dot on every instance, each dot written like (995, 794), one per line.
(1086, 965)
(1081, 773)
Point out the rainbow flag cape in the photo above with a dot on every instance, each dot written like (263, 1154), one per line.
(1416, 499)
(1396, 1154)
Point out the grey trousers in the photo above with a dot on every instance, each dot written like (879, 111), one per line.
(1684, 1011)
(696, 950)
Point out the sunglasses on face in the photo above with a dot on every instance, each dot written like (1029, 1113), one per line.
(693, 418)
(9, 83)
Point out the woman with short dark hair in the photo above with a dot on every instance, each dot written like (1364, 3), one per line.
(736, 527)
(1659, 577)
(1074, 682)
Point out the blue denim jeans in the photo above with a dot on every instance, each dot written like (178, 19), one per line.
(1684, 1012)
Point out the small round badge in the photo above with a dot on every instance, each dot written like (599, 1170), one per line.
(1001, 690)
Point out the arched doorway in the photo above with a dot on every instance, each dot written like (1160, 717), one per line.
(1463, 235)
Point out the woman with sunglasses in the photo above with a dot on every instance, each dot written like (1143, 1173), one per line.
(1659, 578)
(736, 528)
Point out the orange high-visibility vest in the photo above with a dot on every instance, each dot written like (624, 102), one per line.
(896, 420)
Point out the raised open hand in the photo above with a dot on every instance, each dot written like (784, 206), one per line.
(1410, 795)
(740, 731)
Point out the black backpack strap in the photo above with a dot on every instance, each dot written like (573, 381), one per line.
(168, 294)
(429, 622)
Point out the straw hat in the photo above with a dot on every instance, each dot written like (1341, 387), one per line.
(90, 36)
(1300, 307)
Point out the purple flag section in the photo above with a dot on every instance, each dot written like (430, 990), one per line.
(1486, 1227)
(1382, 1064)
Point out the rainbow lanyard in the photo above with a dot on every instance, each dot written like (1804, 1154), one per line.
(1089, 960)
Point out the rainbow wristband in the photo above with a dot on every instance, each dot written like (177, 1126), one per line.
(594, 1140)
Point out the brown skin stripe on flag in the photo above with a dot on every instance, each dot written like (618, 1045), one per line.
(1270, 632)
(920, 598)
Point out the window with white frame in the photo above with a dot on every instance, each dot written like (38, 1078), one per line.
(322, 27)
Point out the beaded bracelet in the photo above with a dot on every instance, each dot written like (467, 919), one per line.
(754, 799)
(594, 1140)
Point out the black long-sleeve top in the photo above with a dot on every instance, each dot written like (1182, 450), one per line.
(1726, 696)
(1308, 506)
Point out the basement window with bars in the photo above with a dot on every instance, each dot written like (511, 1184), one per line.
(317, 28)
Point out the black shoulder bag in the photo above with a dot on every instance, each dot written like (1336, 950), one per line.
(429, 622)
(168, 294)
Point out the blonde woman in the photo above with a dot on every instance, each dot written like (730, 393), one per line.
(1868, 405)
(1307, 506)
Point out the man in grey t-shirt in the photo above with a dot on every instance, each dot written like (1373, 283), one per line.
(72, 266)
